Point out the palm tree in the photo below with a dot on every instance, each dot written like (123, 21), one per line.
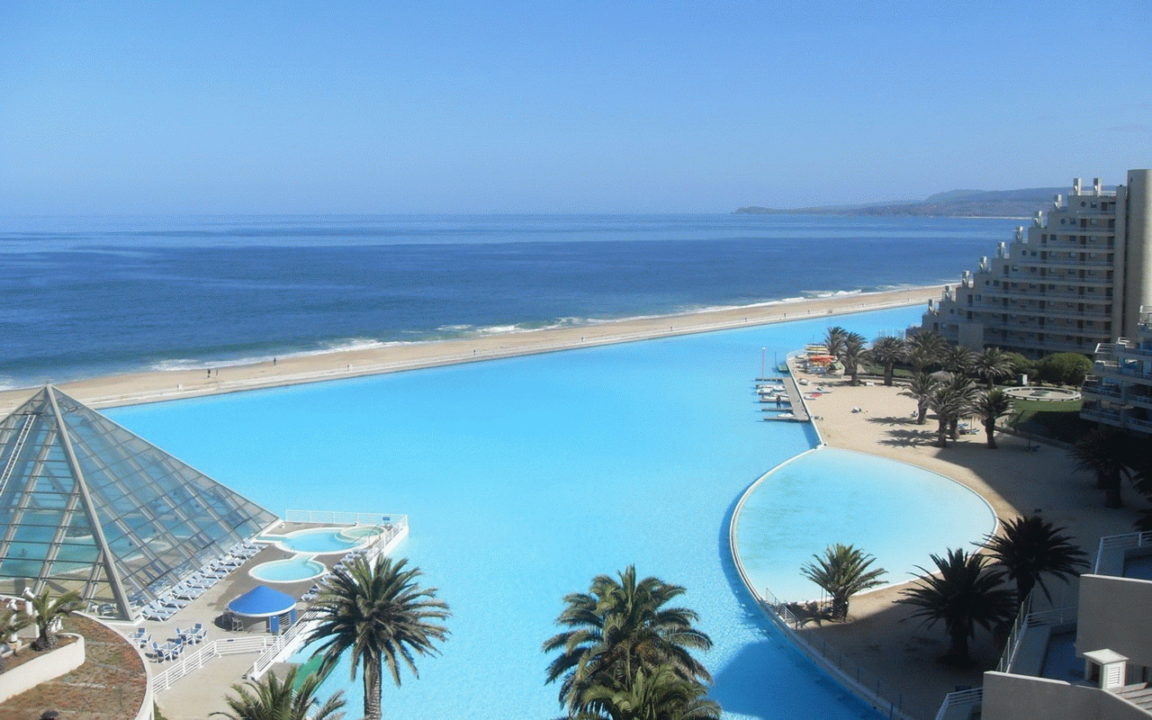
(11, 623)
(958, 360)
(617, 628)
(48, 611)
(378, 611)
(922, 387)
(926, 349)
(887, 351)
(949, 401)
(273, 699)
(652, 694)
(991, 406)
(834, 340)
(1104, 452)
(842, 572)
(964, 593)
(852, 355)
(1030, 547)
(991, 365)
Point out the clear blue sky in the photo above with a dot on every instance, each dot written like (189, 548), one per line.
(581, 106)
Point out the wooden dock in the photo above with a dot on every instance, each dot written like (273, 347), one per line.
(798, 411)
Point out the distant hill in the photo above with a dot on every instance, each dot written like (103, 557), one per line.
(953, 203)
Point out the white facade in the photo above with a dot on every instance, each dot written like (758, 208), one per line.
(1073, 280)
(1119, 392)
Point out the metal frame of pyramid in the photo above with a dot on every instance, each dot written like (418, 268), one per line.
(87, 505)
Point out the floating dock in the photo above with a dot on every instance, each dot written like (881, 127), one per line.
(797, 412)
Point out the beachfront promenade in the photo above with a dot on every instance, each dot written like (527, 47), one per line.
(155, 386)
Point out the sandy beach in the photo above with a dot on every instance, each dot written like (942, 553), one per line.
(144, 387)
(883, 641)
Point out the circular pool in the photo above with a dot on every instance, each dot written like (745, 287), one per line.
(297, 569)
(899, 513)
(1042, 394)
(318, 541)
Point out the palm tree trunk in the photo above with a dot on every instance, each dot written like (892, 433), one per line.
(372, 687)
(922, 408)
(959, 649)
(888, 367)
(1112, 495)
(990, 429)
(942, 433)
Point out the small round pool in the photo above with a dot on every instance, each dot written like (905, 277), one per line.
(295, 569)
(318, 541)
(899, 513)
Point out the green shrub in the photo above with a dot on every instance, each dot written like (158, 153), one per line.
(1064, 368)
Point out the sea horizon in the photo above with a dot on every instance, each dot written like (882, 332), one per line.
(181, 292)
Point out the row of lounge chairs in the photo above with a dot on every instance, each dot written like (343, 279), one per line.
(179, 595)
(174, 647)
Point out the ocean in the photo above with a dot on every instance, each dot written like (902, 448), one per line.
(87, 296)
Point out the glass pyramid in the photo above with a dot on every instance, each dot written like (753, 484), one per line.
(86, 505)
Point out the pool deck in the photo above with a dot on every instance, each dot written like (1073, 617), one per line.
(202, 692)
(882, 637)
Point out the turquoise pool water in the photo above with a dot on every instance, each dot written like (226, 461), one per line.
(290, 570)
(319, 540)
(885, 508)
(523, 479)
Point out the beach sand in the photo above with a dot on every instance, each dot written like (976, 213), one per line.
(144, 387)
(883, 641)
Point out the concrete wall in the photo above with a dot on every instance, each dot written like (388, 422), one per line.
(1019, 697)
(1113, 615)
(46, 666)
(1138, 250)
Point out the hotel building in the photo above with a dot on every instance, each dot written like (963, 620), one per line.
(1091, 660)
(1119, 392)
(1075, 279)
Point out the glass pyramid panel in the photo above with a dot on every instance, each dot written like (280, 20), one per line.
(87, 505)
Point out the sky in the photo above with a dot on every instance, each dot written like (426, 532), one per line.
(559, 107)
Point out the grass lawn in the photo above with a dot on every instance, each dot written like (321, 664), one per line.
(1057, 420)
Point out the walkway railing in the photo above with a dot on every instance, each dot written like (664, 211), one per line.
(192, 661)
(1111, 544)
(336, 517)
(281, 645)
(961, 705)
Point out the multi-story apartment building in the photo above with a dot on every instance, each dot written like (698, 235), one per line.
(1089, 661)
(1074, 280)
(1119, 392)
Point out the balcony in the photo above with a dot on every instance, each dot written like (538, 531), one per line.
(1043, 644)
(1128, 555)
(1041, 294)
(1105, 417)
(1107, 390)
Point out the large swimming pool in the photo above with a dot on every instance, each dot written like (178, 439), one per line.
(876, 504)
(523, 479)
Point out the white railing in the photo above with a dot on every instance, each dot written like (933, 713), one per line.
(960, 705)
(336, 517)
(280, 645)
(1111, 544)
(1025, 620)
(780, 609)
(1015, 635)
(190, 662)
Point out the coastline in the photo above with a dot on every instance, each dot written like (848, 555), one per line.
(162, 385)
